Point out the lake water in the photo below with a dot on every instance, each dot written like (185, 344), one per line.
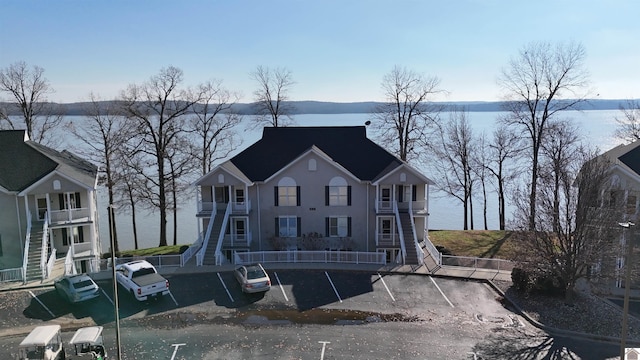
(446, 213)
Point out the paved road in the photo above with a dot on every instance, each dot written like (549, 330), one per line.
(353, 315)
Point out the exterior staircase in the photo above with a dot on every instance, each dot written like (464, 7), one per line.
(210, 254)
(409, 239)
(33, 258)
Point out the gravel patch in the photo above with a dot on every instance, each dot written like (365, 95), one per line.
(589, 314)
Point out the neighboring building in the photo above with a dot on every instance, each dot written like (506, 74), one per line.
(48, 205)
(314, 188)
(623, 194)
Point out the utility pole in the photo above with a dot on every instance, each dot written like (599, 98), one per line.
(627, 285)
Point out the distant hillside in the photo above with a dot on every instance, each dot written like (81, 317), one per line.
(321, 107)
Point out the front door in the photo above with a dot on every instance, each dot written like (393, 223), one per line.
(41, 206)
(386, 197)
(239, 232)
(238, 194)
(221, 197)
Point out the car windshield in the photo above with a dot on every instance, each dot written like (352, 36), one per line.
(255, 273)
(82, 284)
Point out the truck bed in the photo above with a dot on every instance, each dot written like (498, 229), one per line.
(148, 279)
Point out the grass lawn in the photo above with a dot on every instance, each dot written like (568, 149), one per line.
(477, 243)
(163, 250)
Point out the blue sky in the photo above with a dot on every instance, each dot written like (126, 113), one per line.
(336, 50)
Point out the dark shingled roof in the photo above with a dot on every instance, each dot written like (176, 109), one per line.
(20, 164)
(632, 159)
(23, 163)
(348, 146)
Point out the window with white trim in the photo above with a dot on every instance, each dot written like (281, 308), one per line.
(338, 226)
(338, 193)
(287, 193)
(287, 226)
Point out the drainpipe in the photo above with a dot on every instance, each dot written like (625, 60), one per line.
(367, 217)
(259, 210)
(20, 227)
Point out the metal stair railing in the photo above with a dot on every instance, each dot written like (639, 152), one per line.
(225, 219)
(400, 233)
(205, 241)
(419, 251)
(25, 256)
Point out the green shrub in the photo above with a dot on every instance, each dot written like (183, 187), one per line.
(520, 279)
(548, 284)
(443, 250)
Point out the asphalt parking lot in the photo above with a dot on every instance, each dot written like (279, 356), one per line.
(293, 292)
(400, 316)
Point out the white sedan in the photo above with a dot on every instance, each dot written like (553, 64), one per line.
(77, 288)
(252, 278)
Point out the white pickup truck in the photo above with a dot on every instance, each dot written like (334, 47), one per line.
(142, 280)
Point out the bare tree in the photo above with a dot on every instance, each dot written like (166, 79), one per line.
(582, 235)
(129, 187)
(558, 151)
(541, 81)
(102, 134)
(272, 104)
(452, 162)
(181, 164)
(157, 108)
(479, 158)
(29, 88)
(629, 122)
(213, 125)
(502, 151)
(403, 122)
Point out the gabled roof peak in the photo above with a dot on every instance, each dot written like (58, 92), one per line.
(346, 145)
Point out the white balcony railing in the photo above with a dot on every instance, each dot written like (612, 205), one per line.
(415, 206)
(83, 249)
(205, 206)
(241, 207)
(237, 239)
(388, 239)
(69, 215)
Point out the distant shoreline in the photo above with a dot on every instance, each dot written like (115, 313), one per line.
(324, 107)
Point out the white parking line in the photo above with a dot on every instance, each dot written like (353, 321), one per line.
(386, 287)
(324, 345)
(175, 349)
(174, 299)
(107, 296)
(41, 303)
(281, 288)
(443, 295)
(333, 286)
(225, 287)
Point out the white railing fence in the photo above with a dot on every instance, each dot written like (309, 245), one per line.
(435, 254)
(25, 256)
(69, 264)
(478, 263)
(296, 256)
(191, 251)
(14, 274)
